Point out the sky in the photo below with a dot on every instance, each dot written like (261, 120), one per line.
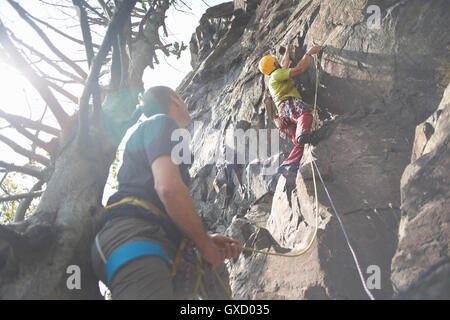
(18, 97)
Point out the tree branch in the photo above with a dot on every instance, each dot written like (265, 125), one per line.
(94, 10)
(38, 142)
(85, 30)
(21, 196)
(30, 155)
(106, 9)
(25, 203)
(52, 63)
(65, 93)
(114, 26)
(59, 31)
(87, 37)
(116, 71)
(31, 75)
(27, 123)
(29, 170)
(25, 16)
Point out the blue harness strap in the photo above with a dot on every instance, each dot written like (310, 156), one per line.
(130, 252)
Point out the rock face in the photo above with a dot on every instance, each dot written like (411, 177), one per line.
(377, 83)
(424, 231)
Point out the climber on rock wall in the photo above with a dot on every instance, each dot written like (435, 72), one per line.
(294, 117)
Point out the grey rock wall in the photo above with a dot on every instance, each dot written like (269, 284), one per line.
(424, 232)
(376, 86)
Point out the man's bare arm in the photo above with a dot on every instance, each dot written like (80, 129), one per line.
(303, 64)
(286, 58)
(177, 200)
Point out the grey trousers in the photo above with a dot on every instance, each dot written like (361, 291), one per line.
(145, 278)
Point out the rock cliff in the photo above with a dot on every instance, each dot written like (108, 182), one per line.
(388, 180)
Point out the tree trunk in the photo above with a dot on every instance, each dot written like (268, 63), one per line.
(34, 261)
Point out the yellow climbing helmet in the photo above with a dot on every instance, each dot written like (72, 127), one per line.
(267, 65)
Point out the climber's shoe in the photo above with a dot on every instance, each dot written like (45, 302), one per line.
(304, 138)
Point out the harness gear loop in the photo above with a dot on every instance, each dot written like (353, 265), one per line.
(176, 262)
(142, 203)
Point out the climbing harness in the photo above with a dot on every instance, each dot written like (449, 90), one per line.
(134, 250)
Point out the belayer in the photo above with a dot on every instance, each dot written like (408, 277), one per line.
(136, 253)
(294, 116)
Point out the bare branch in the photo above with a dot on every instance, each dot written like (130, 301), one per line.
(95, 21)
(117, 21)
(87, 37)
(25, 203)
(29, 170)
(65, 35)
(27, 123)
(50, 62)
(25, 16)
(85, 30)
(106, 9)
(30, 155)
(30, 74)
(38, 142)
(124, 55)
(56, 5)
(62, 91)
(116, 71)
(21, 196)
(4, 177)
(94, 10)
(206, 4)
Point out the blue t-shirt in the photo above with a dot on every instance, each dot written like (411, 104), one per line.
(149, 141)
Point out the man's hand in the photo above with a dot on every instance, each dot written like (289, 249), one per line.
(228, 247)
(219, 248)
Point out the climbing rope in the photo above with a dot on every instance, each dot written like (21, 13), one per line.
(292, 255)
(315, 113)
(363, 281)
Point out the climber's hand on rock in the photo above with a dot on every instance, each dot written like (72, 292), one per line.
(314, 50)
(229, 247)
